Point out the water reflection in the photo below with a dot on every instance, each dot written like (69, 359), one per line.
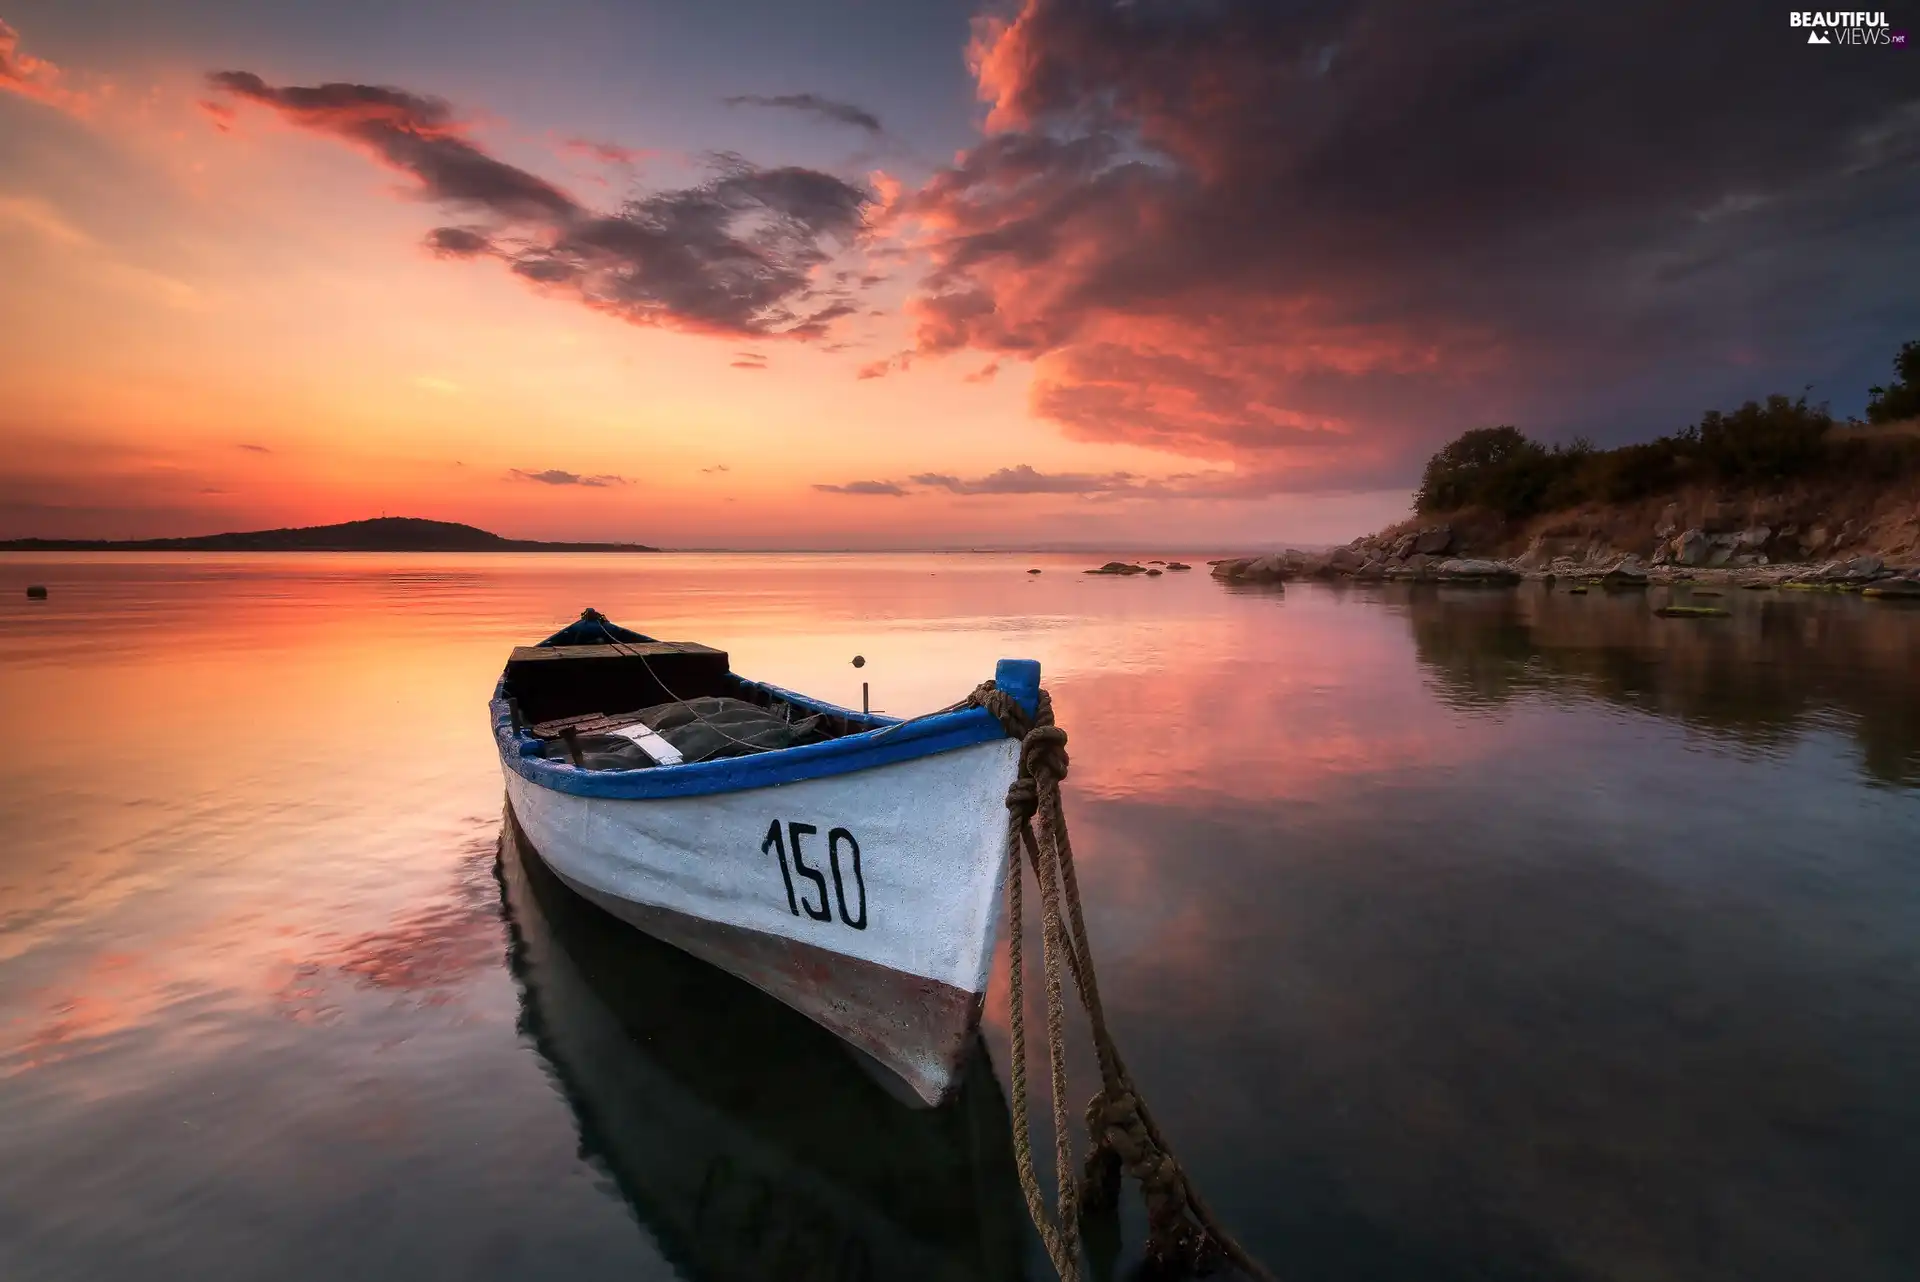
(745, 1138)
(1783, 661)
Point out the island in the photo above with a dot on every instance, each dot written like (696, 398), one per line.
(379, 534)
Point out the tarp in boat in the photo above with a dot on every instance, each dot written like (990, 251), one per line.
(703, 729)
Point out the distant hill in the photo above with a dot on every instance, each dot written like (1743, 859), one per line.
(382, 534)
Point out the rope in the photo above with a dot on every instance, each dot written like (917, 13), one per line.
(1183, 1235)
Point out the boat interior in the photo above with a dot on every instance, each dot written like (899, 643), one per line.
(605, 697)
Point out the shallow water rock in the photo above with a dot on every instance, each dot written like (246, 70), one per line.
(1693, 547)
(1119, 567)
(1435, 540)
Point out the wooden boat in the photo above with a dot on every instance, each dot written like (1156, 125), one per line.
(745, 1139)
(856, 877)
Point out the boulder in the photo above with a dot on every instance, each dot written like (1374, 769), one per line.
(1119, 567)
(1865, 566)
(1693, 547)
(1901, 589)
(1418, 562)
(1178, 565)
(1346, 560)
(1434, 541)
(1403, 547)
(1816, 539)
(1474, 570)
(1753, 538)
(1625, 575)
(1669, 522)
(1719, 554)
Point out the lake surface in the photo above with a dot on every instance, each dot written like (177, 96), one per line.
(1453, 933)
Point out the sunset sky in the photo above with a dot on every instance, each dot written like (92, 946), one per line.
(738, 273)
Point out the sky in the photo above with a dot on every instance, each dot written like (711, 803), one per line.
(739, 273)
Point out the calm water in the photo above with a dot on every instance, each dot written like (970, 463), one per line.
(1454, 934)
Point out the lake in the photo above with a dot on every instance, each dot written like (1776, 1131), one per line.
(1452, 933)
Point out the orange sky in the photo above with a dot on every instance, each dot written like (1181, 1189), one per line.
(232, 323)
(934, 279)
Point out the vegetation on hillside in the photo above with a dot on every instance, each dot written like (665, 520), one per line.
(1901, 399)
(1763, 443)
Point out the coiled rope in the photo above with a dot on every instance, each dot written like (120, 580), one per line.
(1183, 1236)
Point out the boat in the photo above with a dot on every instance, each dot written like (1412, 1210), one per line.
(849, 864)
(744, 1139)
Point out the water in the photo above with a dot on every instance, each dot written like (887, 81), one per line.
(1454, 934)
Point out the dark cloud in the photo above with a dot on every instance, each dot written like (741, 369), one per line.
(888, 488)
(844, 113)
(985, 374)
(732, 255)
(459, 242)
(255, 449)
(1023, 479)
(554, 476)
(415, 135)
(1314, 239)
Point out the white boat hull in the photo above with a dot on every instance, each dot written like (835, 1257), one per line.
(869, 901)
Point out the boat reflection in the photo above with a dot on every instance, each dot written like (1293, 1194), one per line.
(747, 1139)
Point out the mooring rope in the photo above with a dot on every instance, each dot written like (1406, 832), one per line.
(1183, 1235)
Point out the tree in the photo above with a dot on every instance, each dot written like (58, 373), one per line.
(1902, 398)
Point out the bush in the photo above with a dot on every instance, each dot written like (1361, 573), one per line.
(1759, 442)
(1902, 398)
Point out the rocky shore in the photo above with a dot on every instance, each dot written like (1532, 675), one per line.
(1743, 559)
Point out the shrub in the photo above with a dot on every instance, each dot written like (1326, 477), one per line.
(1763, 442)
(1900, 399)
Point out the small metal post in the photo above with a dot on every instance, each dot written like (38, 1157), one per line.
(864, 710)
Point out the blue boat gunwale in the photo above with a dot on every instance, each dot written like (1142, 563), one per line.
(890, 741)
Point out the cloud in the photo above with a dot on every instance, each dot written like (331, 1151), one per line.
(734, 255)
(888, 488)
(36, 79)
(749, 360)
(554, 476)
(844, 113)
(606, 152)
(254, 449)
(1314, 240)
(717, 467)
(985, 374)
(1023, 479)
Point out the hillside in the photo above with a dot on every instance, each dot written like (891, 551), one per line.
(380, 534)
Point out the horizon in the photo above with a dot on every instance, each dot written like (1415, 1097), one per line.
(954, 278)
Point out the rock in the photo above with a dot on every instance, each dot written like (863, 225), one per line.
(1033, 571)
(1473, 570)
(1346, 560)
(1693, 547)
(1156, 563)
(1624, 575)
(1669, 522)
(1719, 555)
(1576, 591)
(1178, 565)
(1418, 561)
(1226, 569)
(1153, 574)
(1850, 533)
(1865, 566)
(1119, 567)
(1434, 541)
(1753, 538)
(1691, 612)
(1403, 547)
(1899, 589)
(36, 592)
(1816, 539)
